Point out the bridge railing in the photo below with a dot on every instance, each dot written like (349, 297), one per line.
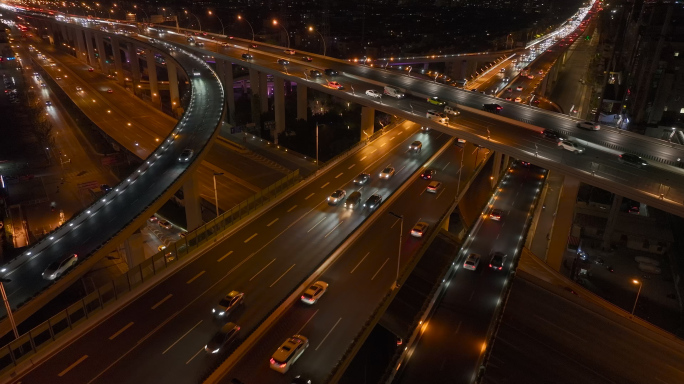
(60, 324)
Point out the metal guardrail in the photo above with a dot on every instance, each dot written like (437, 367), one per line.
(60, 324)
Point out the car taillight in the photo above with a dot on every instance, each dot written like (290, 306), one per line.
(490, 265)
(500, 268)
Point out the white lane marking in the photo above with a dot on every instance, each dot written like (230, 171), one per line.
(307, 322)
(272, 222)
(400, 169)
(180, 338)
(395, 223)
(262, 269)
(224, 256)
(382, 145)
(194, 278)
(357, 265)
(307, 198)
(195, 355)
(351, 166)
(281, 276)
(339, 174)
(251, 237)
(291, 209)
(446, 165)
(392, 138)
(69, 368)
(331, 231)
(329, 332)
(440, 193)
(316, 224)
(120, 331)
(363, 158)
(161, 301)
(376, 273)
(373, 151)
(325, 185)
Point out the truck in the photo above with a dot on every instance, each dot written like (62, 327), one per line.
(394, 92)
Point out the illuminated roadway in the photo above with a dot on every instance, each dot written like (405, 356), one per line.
(266, 258)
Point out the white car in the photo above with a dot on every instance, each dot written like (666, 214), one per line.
(288, 353)
(589, 125)
(387, 172)
(57, 268)
(472, 262)
(373, 93)
(314, 292)
(337, 196)
(419, 229)
(165, 224)
(571, 146)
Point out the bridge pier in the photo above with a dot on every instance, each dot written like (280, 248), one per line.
(135, 66)
(133, 245)
(562, 223)
(89, 46)
(192, 200)
(263, 92)
(80, 43)
(279, 101)
(224, 70)
(612, 218)
(367, 122)
(302, 101)
(152, 75)
(102, 53)
(173, 88)
(254, 88)
(496, 168)
(118, 65)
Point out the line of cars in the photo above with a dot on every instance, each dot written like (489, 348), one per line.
(570, 145)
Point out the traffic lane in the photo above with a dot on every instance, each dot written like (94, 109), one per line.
(235, 243)
(369, 260)
(617, 352)
(265, 269)
(454, 338)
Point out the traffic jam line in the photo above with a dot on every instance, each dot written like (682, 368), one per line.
(220, 259)
(195, 278)
(262, 269)
(161, 301)
(120, 331)
(281, 276)
(250, 238)
(72, 366)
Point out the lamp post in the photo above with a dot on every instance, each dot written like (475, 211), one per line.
(220, 21)
(7, 307)
(141, 10)
(275, 22)
(250, 27)
(216, 192)
(635, 281)
(311, 29)
(198, 20)
(401, 234)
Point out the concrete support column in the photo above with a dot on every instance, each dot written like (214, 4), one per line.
(254, 88)
(135, 65)
(102, 53)
(302, 101)
(230, 93)
(496, 168)
(135, 253)
(120, 76)
(173, 85)
(89, 46)
(263, 92)
(506, 160)
(80, 43)
(192, 200)
(612, 218)
(367, 122)
(279, 101)
(65, 35)
(562, 224)
(445, 224)
(152, 75)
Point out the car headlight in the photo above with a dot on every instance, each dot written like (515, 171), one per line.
(215, 350)
(213, 310)
(222, 313)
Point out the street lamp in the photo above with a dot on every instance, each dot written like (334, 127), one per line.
(8, 307)
(275, 22)
(198, 20)
(250, 26)
(220, 21)
(401, 234)
(216, 192)
(141, 10)
(635, 281)
(311, 29)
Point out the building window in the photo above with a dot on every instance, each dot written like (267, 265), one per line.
(676, 54)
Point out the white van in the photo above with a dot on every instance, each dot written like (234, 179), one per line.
(394, 92)
(451, 110)
(437, 116)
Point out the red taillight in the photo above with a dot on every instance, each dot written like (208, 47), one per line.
(500, 268)
(490, 265)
